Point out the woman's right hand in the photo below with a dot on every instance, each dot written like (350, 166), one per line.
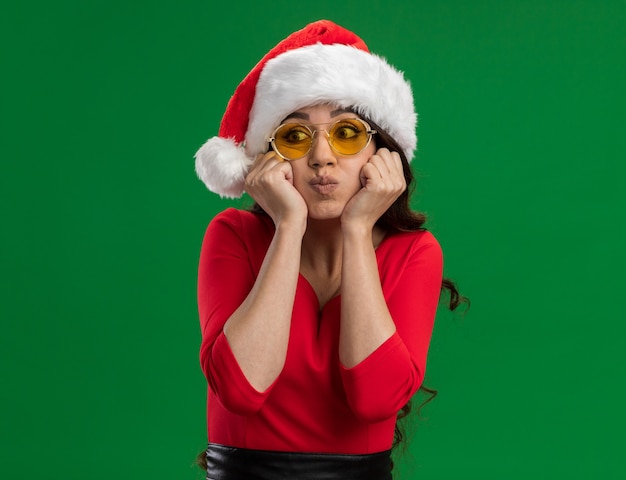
(270, 184)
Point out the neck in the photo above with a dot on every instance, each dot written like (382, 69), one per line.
(322, 244)
(322, 256)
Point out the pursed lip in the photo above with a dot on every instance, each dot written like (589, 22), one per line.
(323, 180)
(324, 184)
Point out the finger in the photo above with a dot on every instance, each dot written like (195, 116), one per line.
(388, 161)
(390, 165)
(267, 160)
(378, 162)
(397, 163)
(262, 163)
(396, 170)
(256, 163)
(369, 174)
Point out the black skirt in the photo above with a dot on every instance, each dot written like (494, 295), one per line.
(229, 463)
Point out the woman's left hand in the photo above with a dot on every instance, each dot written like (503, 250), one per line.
(382, 178)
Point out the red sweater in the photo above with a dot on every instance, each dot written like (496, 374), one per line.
(316, 404)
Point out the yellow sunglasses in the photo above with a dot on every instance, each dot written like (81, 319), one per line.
(347, 136)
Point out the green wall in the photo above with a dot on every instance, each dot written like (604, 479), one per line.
(520, 165)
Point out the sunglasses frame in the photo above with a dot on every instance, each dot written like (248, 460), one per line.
(368, 130)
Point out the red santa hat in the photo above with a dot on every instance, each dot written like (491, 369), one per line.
(322, 63)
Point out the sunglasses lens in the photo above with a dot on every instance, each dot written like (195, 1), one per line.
(349, 137)
(292, 140)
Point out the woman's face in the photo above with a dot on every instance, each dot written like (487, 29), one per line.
(325, 179)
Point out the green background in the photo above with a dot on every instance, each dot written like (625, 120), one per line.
(520, 169)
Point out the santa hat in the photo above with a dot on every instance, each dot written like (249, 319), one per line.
(322, 63)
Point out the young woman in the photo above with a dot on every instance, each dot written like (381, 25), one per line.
(317, 306)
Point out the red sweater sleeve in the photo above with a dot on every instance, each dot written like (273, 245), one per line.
(226, 274)
(379, 386)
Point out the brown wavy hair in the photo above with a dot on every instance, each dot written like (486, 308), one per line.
(401, 218)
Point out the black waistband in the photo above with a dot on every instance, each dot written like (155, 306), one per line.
(229, 463)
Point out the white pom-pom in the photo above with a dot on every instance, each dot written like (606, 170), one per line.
(222, 165)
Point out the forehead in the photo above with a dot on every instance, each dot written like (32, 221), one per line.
(316, 111)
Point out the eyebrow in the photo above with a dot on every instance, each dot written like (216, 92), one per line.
(305, 116)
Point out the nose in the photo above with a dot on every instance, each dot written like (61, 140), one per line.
(321, 154)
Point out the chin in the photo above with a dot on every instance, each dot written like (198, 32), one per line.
(326, 211)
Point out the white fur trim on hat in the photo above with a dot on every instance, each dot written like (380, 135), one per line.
(222, 165)
(339, 74)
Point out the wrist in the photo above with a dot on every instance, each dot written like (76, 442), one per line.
(354, 235)
(356, 229)
(291, 227)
